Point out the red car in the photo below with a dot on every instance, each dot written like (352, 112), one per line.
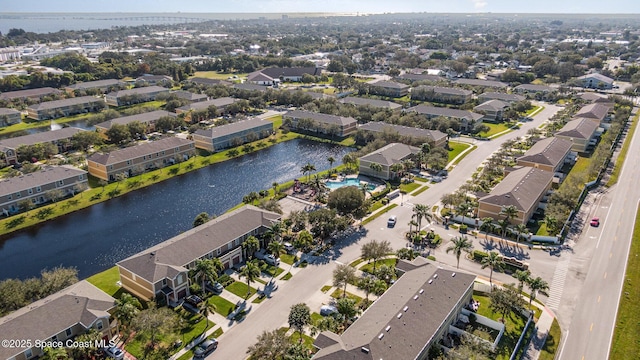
(595, 222)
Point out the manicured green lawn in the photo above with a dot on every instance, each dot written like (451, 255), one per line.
(287, 276)
(407, 188)
(287, 258)
(356, 262)
(272, 271)
(326, 288)
(542, 230)
(625, 344)
(420, 191)
(369, 267)
(337, 294)
(550, 347)
(222, 306)
(514, 327)
(240, 289)
(106, 281)
(456, 149)
(534, 109)
(217, 75)
(380, 213)
(494, 129)
(315, 317)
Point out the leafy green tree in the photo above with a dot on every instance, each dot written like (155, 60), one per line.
(422, 211)
(303, 240)
(347, 309)
(375, 250)
(251, 272)
(118, 134)
(342, 276)
(207, 269)
(85, 139)
(487, 225)
(55, 353)
(537, 285)
(127, 308)
(494, 262)
(299, 318)
(155, 323)
(200, 219)
(459, 245)
(269, 346)
(275, 248)
(523, 276)
(504, 300)
(346, 200)
(136, 129)
(376, 168)
(308, 168)
(509, 212)
(250, 246)
(407, 254)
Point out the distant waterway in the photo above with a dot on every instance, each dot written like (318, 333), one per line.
(95, 238)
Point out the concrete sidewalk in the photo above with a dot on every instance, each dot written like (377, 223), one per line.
(541, 331)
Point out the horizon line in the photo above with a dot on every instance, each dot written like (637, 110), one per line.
(354, 13)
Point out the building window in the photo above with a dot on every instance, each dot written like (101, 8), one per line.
(34, 200)
(10, 197)
(218, 251)
(30, 191)
(39, 189)
(110, 167)
(54, 338)
(99, 325)
(28, 353)
(80, 177)
(68, 332)
(128, 162)
(18, 195)
(179, 279)
(60, 182)
(164, 282)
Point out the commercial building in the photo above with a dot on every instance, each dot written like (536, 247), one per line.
(275, 75)
(595, 81)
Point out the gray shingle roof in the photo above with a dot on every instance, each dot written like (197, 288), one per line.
(188, 95)
(251, 87)
(95, 84)
(446, 90)
(232, 128)
(420, 77)
(206, 81)
(480, 82)
(446, 112)
(39, 92)
(66, 102)
(502, 96)
(534, 87)
(549, 151)
(7, 111)
(580, 128)
(32, 180)
(275, 72)
(378, 126)
(219, 102)
(170, 256)
(320, 117)
(39, 138)
(408, 334)
(521, 188)
(138, 91)
(142, 117)
(390, 154)
(371, 102)
(593, 111)
(79, 303)
(390, 84)
(492, 105)
(597, 76)
(137, 151)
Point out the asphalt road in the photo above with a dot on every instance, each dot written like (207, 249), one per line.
(306, 284)
(595, 305)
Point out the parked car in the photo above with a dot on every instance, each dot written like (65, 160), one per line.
(272, 260)
(114, 352)
(595, 222)
(205, 348)
(288, 247)
(216, 288)
(392, 221)
(326, 310)
(193, 300)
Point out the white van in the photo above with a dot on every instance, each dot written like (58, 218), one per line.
(392, 221)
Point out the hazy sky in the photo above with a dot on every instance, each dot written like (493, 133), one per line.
(363, 6)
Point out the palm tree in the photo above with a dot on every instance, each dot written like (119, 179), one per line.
(411, 224)
(458, 245)
(396, 168)
(487, 225)
(331, 160)
(552, 224)
(523, 276)
(463, 210)
(127, 307)
(251, 271)
(250, 246)
(494, 262)
(375, 167)
(307, 169)
(521, 229)
(208, 269)
(509, 212)
(205, 309)
(504, 225)
(275, 185)
(275, 231)
(421, 211)
(275, 248)
(536, 286)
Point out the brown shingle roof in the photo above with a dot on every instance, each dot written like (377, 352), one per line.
(593, 111)
(232, 128)
(521, 188)
(142, 117)
(446, 112)
(39, 92)
(219, 102)
(390, 85)
(580, 128)
(429, 295)
(371, 102)
(96, 84)
(79, 303)
(501, 96)
(138, 91)
(445, 90)
(7, 111)
(170, 256)
(492, 105)
(65, 102)
(534, 88)
(480, 82)
(137, 151)
(549, 151)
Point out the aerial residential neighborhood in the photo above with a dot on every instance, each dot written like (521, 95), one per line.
(292, 180)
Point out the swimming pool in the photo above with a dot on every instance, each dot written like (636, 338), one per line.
(347, 182)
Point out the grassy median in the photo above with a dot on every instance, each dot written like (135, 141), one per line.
(613, 179)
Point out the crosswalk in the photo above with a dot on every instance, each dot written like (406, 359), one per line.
(557, 284)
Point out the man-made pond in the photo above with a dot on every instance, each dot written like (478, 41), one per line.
(96, 238)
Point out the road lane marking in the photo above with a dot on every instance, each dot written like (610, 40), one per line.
(605, 275)
(610, 255)
(598, 298)
(603, 225)
(591, 328)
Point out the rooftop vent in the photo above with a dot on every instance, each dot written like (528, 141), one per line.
(435, 276)
(430, 281)
(399, 315)
(379, 338)
(421, 291)
(453, 275)
(415, 297)
(405, 308)
(387, 328)
(364, 350)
